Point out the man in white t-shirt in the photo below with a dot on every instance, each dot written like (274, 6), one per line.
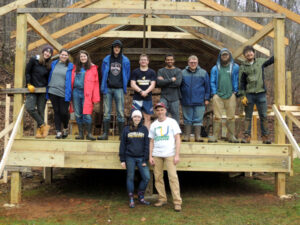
(164, 149)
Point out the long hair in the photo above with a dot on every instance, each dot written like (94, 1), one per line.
(79, 64)
(45, 62)
(68, 60)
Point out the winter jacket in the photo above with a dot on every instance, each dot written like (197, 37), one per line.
(195, 88)
(36, 74)
(251, 76)
(68, 90)
(91, 88)
(214, 74)
(134, 143)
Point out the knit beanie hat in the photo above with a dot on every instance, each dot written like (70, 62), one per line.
(48, 48)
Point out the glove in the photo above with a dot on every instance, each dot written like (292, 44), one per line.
(30, 88)
(244, 101)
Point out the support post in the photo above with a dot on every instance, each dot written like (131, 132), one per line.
(7, 112)
(15, 189)
(254, 128)
(48, 172)
(280, 184)
(289, 97)
(20, 63)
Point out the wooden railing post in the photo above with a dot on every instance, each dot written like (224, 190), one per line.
(289, 96)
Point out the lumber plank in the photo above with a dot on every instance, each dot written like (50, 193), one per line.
(293, 119)
(216, 6)
(253, 40)
(6, 130)
(289, 96)
(280, 184)
(13, 6)
(291, 108)
(21, 90)
(152, 34)
(15, 189)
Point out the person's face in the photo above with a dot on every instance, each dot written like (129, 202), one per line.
(170, 61)
(160, 112)
(249, 55)
(47, 54)
(144, 61)
(136, 120)
(117, 50)
(83, 58)
(193, 63)
(63, 56)
(225, 57)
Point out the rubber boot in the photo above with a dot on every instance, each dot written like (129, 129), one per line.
(247, 137)
(231, 130)
(142, 198)
(89, 136)
(120, 128)
(39, 133)
(198, 134)
(216, 130)
(104, 136)
(80, 132)
(187, 133)
(131, 200)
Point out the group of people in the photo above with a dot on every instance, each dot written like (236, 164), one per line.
(75, 87)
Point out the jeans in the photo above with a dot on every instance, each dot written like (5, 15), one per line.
(193, 115)
(35, 106)
(78, 101)
(260, 101)
(61, 111)
(131, 163)
(173, 108)
(118, 95)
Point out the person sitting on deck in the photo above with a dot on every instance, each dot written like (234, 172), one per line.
(253, 91)
(224, 83)
(134, 151)
(37, 74)
(115, 76)
(143, 82)
(85, 86)
(195, 92)
(169, 80)
(59, 91)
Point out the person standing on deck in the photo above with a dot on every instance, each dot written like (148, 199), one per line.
(59, 91)
(195, 92)
(143, 82)
(85, 87)
(253, 91)
(37, 74)
(115, 76)
(164, 137)
(169, 80)
(224, 82)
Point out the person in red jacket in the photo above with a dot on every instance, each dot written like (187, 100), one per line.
(85, 93)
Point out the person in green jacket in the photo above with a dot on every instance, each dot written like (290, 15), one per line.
(253, 92)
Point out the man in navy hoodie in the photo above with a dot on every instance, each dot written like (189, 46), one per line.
(115, 76)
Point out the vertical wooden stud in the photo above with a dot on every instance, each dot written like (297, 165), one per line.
(289, 97)
(280, 184)
(48, 172)
(15, 189)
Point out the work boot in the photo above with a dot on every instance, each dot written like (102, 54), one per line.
(120, 128)
(187, 133)
(104, 136)
(160, 203)
(89, 136)
(65, 133)
(266, 139)
(246, 139)
(39, 133)
(142, 198)
(231, 130)
(80, 132)
(216, 130)
(131, 200)
(45, 130)
(198, 134)
(177, 208)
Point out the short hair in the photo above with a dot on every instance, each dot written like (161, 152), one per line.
(193, 57)
(169, 55)
(247, 49)
(144, 55)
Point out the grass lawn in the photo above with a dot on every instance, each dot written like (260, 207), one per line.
(99, 197)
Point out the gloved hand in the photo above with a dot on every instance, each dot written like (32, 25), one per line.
(30, 88)
(244, 101)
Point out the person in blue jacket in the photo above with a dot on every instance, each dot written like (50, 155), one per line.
(195, 95)
(59, 91)
(134, 151)
(224, 83)
(115, 76)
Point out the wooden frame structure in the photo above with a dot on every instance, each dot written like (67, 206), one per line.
(275, 158)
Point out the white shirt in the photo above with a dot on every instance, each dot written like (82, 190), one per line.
(163, 134)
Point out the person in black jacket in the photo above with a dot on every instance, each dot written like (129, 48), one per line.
(37, 73)
(134, 151)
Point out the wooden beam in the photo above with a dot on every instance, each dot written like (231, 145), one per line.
(21, 90)
(42, 32)
(153, 34)
(289, 95)
(291, 108)
(51, 17)
(280, 184)
(156, 51)
(279, 75)
(16, 187)
(150, 21)
(68, 29)
(253, 40)
(13, 6)
(6, 130)
(48, 174)
(279, 9)
(214, 5)
(151, 12)
(292, 118)
(229, 33)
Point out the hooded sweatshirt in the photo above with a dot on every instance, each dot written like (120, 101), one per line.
(115, 79)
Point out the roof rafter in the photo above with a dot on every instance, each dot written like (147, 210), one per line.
(13, 6)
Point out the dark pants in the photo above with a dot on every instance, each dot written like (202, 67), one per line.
(61, 111)
(173, 108)
(35, 106)
(260, 101)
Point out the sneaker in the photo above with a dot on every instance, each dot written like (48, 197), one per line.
(58, 135)
(143, 201)
(160, 203)
(177, 208)
(65, 133)
(131, 203)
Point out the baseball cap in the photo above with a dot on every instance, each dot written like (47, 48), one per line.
(160, 104)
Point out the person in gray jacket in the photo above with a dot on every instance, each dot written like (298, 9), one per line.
(169, 80)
